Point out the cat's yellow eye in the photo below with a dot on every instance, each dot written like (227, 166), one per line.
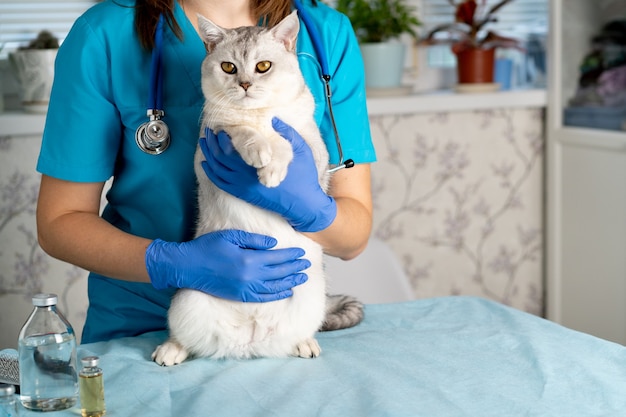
(229, 67)
(263, 66)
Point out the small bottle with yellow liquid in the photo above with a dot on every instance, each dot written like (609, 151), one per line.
(91, 388)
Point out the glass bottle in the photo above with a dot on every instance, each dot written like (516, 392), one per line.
(91, 388)
(47, 358)
(8, 405)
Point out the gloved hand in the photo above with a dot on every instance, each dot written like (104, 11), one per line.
(230, 264)
(298, 198)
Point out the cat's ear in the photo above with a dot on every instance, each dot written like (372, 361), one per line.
(286, 31)
(210, 33)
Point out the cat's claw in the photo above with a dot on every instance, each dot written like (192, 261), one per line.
(256, 153)
(272, 175)
(274, 172)
(307, 349)
(169, 353)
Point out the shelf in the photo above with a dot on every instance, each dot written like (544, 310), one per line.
(19, 123)
(447, 101)
(585, 198)
(610, 140)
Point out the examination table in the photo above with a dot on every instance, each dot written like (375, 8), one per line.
(451, 356)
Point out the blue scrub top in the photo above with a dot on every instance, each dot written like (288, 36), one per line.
(99, 98)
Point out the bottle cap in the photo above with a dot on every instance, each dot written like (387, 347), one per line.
(90, 361)
(44, 300)
(6, 390)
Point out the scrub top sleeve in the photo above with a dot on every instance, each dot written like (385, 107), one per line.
(349, 98)
(83, 129)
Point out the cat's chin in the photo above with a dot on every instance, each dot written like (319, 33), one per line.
(249, 102)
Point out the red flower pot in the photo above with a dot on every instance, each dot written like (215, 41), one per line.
(475, 65)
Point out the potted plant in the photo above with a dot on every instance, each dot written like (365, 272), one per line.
(473, 45)
(378, 25)
(33, 67)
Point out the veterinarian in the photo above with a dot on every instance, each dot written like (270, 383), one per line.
(140, 247)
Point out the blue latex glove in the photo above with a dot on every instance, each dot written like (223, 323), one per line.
(298, 198)
(230, 264)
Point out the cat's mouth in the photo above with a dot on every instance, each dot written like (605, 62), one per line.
(248, 99)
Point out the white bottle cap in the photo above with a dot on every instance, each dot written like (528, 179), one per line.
(44, 300)
(90, 361)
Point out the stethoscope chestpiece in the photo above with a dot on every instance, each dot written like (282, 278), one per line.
(153, 136)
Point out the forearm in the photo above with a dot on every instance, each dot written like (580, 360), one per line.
(88, 241)
(69, 228)
(349, 233)
(91, 243)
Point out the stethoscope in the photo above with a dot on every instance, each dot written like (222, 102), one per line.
(153, 136)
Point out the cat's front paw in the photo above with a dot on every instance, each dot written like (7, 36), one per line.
(307, 349)
(169, 353)
(275, 171)
(256, 152)
(272, 175)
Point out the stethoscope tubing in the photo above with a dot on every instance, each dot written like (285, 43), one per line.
(155, 96)
(316, 39)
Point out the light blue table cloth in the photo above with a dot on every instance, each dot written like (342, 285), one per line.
(453, 356)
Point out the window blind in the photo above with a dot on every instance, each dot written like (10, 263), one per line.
(22, 20)
(518, 16)
(516, 19)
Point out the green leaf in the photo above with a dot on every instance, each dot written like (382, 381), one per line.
(380, 20)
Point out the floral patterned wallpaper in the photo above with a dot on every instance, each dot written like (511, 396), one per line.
(24, 268)
(458, 196)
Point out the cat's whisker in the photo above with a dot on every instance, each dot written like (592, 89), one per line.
(218, 107)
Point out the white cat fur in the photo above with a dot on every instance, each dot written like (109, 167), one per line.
(202, 325)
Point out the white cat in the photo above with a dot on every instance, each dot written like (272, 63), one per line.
(250, 75)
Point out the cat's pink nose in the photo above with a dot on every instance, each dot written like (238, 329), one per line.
(245, 85)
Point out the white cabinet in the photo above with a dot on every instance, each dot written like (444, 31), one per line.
(586, 188)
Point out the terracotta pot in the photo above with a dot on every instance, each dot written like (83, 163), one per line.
(475, 65)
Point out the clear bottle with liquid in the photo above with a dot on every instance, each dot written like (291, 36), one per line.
(91, 388)
(8, 404)
(47, 358)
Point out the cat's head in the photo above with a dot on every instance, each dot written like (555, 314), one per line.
(250, 67)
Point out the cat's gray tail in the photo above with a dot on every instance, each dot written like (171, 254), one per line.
(342, 311)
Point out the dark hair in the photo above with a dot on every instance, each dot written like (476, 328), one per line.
(147, 15)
